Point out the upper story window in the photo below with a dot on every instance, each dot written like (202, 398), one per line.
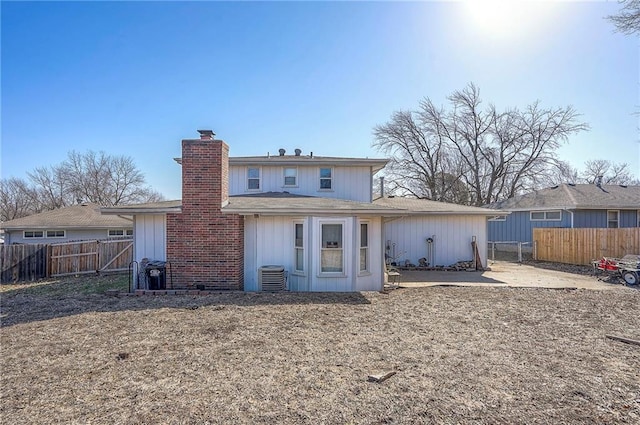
(56, 233)
(290, 176)
(253, 178)
(546, 215)
(326, 174)
(613, 219)
(33, 234)
(114, 233)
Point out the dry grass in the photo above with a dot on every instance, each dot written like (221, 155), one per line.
(462, 355)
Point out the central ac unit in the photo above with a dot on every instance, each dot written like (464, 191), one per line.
(272, 278)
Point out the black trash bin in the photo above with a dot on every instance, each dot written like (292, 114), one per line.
(156, 275)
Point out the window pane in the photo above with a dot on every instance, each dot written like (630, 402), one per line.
(254, 184)
(130, 232)
(553, 215)
(363, 259)
(325, 183)
(254, 173)
(364, 237)
(289, 181)
(299, 259)
(299, 235)
(331, 260)
(332, 235)
(612, 215)
(537, 216)
(325, 173)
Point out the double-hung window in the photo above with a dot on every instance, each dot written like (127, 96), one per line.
(364, 247)
(331, 250)
(299, 247)
(290, 177)
(253, 178)
(613, 219)
(326, 178)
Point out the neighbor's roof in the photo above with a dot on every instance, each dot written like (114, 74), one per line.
(575, 196)
(148, 208)
(73, 217)
(376, 163)
(284, 203)
(415, 206)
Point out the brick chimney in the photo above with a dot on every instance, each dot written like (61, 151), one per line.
(204, 245)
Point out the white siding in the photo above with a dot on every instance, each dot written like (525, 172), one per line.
(452, 238)
(150, 240)
(270, 241)
(352, 183)
(374, 279)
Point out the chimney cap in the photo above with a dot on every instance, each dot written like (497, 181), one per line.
(206, 134)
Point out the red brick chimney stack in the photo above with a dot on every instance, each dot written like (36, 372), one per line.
(204, 245)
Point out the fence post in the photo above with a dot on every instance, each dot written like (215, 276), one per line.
(519, 252)
(493, 251)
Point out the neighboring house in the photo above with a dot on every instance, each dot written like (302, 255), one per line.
(568, 206)
(312, 216)
(77, 222)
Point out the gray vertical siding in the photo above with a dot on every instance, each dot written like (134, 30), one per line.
(598, 218)
(518, 227)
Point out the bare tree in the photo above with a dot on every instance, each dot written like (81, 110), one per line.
(17, 199)
(473, 154)
(627, 20)
(611, 173)
(91, 177)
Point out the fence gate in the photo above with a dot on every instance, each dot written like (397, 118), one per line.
(23, 262)
(90, 257)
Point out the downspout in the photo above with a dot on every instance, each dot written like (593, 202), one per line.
(571, 215)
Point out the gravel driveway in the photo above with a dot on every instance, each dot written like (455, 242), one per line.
(504, 273)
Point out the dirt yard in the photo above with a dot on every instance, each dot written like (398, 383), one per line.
(461, 355)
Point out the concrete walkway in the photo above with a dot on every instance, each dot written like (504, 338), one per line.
(506, 274)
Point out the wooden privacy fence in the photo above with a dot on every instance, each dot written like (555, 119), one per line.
(90, 257)
(581, 246)
(23, 262)
(31, 262)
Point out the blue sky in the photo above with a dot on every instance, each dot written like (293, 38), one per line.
(134, 78)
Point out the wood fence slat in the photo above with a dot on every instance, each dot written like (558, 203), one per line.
(36, 261)
(581, 246)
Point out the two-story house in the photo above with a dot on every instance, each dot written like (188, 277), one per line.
(247, 222)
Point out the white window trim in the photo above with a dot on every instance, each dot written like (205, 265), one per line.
(638, 218)
(367, 270)
(259, 189)
(123, 235)
(499, 218)
(64, 234)
(545, 215)
(617, 219)
(320, 178)
(284, 181)
(297, 272)
(24, 234)
(343, 273)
